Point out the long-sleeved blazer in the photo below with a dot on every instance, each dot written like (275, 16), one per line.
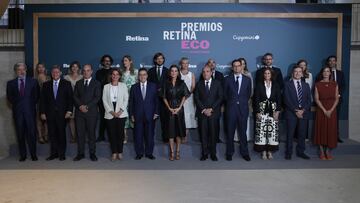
(121, 102)
(291, 100)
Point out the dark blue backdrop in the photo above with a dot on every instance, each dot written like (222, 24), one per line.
(62, 40)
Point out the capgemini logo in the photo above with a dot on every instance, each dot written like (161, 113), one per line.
(242, 38)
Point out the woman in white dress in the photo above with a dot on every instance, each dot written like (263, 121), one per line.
(189, 105)
(73, 76)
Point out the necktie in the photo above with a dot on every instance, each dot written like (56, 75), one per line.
(55, 88)
(158, 72)
(143, 91)
(86, 83)
(300, 93)
(334, 75)
(22, 87)
(237, 84)
(207, 88)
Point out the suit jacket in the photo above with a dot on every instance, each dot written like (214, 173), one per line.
(260, 96)
(140, 108)
(63, 102)
(218, 76)
(90, 97)
(277, 74)
(233, 99)
(212, 100)
(121, 101)
(291, 100)
(154, 79)
(23, 104)
(340, 79)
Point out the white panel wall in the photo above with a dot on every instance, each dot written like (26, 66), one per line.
(7, 130)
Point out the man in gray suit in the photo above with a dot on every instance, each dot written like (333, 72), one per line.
(87, 94)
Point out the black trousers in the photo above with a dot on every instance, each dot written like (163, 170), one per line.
(85, 126)
(163, 120)
(57, 134)
(208, 134)
(115, 129)
(25, 133)
(102, 124)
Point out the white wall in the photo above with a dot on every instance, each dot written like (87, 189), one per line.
(354, 98)
(7, 130)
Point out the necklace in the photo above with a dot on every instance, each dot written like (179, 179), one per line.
(114, 92)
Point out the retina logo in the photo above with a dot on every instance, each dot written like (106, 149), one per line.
(129, 38)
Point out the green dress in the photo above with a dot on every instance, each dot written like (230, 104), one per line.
(129, 80)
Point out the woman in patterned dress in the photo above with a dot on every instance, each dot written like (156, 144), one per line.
(129, 77)
(267, 104)
(189, 105)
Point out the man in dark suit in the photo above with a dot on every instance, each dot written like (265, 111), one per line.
(102, 75)
(208, 98)
(297, 99)
(56, 104)
(143, 110)
(267, 61)
(87, 94)
(237, 92)
(338, 76)
(158, 75)
(216, 75)
(23, 94)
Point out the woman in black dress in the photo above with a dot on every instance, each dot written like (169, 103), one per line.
(267, 103)
(174, 93)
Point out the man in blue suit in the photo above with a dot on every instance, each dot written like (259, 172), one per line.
(297, 99)
(23, 94)
(237, 92)
(143, 110)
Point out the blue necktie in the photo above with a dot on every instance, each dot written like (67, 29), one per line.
(300, 93)
(55, 88)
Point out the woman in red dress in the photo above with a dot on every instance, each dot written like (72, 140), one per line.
(326, 98)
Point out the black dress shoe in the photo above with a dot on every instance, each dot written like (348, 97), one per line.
(228, 157)
(93, 157)
(79, 157)
(150, 157)
(34, 158)
(340, 140)
(62, 158)
(138, 157)
(246, 158)
(22, 159)
(288, 156)
(303, 155)
(203, 157)
(213, 158)
(52, 157)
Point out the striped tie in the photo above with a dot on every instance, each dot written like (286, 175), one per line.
(300, 93)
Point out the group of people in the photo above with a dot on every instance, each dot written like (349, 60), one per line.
(135, 98)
